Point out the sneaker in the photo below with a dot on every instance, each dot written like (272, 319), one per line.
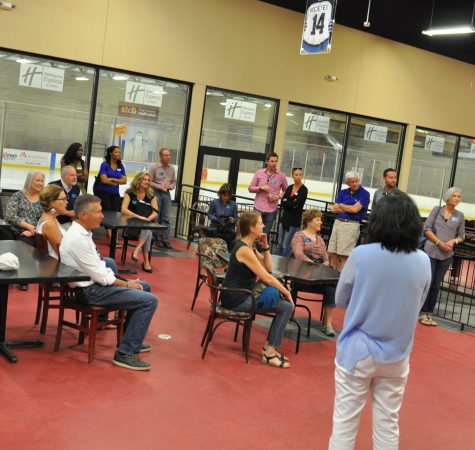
(328, 331)
(144, 348)
(130, 362)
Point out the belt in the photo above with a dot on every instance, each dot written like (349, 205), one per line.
(347, 220)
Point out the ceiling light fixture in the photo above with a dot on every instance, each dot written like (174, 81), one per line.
(463, 29)
(82, 78)
(120, 77)
(23, 61)
(449, 30)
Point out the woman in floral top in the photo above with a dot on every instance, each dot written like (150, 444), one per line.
(308, 246)
(23, 209)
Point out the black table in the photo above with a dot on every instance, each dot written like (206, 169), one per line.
(35, 267)
(117, 221)
(295, 270)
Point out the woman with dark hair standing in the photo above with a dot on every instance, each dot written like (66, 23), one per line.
(73, 158)
(223, 216)
(292, 203)
(444, 228)
(382, 287)
(112, 174)
(246, 264)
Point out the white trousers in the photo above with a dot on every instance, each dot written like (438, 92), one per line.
(386, 383)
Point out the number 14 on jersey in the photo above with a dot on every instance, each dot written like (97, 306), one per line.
(318, 27)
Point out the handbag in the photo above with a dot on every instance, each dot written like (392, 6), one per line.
(423, 237)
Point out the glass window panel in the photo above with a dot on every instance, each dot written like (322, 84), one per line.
(314, 141)
(237, 122)
(214, 172)
(44, 107)
(141, 115)
(464, 178)
(247, 170)
(431, 164)
(373, 146)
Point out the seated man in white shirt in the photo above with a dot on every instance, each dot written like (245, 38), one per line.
(77, 250)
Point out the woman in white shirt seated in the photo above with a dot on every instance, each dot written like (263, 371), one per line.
(53, 202)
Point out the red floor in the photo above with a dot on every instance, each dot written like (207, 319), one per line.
(57, 401)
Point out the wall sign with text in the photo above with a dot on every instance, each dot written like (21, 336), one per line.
(239, 110)
(138, 111)
(434, 144)
(143, 94)
(316, 123)
(40, 77)
(318, 27)
(375, 133)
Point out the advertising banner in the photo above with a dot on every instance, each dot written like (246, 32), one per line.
(375, 133)
(236, 109)
(40, 77)
(434, 144)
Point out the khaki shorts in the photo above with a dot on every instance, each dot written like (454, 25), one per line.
(344, 237)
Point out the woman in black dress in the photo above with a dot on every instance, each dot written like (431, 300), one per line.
(136, 204)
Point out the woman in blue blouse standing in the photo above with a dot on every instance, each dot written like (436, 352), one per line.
(444, 228)
(292, 203)
(382, 286)
(112, 174)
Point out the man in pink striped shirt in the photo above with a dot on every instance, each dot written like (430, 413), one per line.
(268, 184)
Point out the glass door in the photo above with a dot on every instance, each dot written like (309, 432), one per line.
(217, 166)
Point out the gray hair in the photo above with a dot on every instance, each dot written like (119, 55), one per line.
(351, 174)
(64, 170)
(29, 181)
(83, 203)
(451, 191)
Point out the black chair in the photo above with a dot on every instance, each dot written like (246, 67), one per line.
(297, 288)
(218, 312)
(198, 219)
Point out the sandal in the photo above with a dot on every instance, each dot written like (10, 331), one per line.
(425, 320)
(275, 361)
(134, 258)
(280, 355)
(432, 323)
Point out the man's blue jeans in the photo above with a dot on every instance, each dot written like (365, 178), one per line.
(267, 220)
(140, 307)
(164, 207)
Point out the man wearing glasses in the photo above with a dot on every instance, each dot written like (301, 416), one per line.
(268, 184)
(68, 182)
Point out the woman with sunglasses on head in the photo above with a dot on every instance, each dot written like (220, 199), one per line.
(292, 203)
(53, 202)
(140, 202)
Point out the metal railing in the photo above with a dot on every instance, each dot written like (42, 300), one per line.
(456, 301)
(188, 220)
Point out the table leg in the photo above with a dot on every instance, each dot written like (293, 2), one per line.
(113, 243)
(5, 346)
